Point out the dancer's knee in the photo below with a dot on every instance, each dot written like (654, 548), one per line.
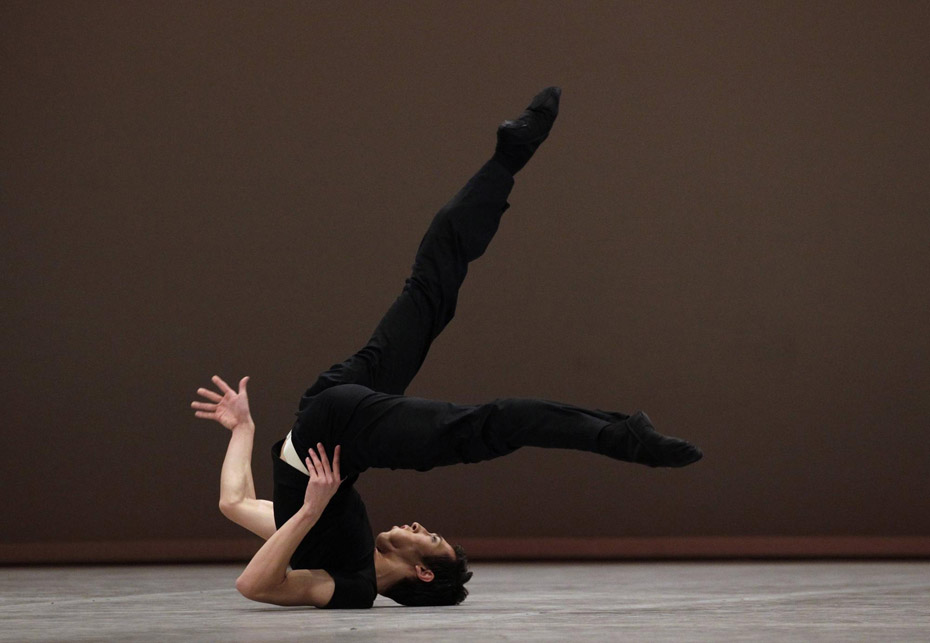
(508, 419)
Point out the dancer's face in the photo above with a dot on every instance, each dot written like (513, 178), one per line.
(413, 542)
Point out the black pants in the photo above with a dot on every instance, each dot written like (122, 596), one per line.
(359, 403)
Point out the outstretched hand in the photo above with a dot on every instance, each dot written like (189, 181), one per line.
(231, 409)
(324, 480)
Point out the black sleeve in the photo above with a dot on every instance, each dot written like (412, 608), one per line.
(353, 591)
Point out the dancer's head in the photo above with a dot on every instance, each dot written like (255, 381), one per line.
(435, 572)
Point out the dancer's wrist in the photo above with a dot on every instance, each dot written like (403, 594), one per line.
(309, 513)
(245, 425)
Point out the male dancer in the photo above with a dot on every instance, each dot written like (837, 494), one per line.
(357, 412)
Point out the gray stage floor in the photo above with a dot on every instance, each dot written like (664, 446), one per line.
(869, 601)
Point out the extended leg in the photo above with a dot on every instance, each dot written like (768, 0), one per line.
(459, 233)
(401, 432)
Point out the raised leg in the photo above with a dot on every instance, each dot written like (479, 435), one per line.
(459, 233)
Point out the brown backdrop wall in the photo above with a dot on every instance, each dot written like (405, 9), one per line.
(727, 228)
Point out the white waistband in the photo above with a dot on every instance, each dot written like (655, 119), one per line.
(290, 455)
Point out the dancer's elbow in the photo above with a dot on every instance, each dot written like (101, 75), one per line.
(248, 589)
(227, 507)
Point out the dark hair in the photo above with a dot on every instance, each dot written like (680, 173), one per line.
(446, 588)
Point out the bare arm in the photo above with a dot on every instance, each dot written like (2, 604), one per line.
(266, 577)
(237, 490)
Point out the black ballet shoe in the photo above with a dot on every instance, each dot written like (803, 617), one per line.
(636, 440)
(518, 139)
